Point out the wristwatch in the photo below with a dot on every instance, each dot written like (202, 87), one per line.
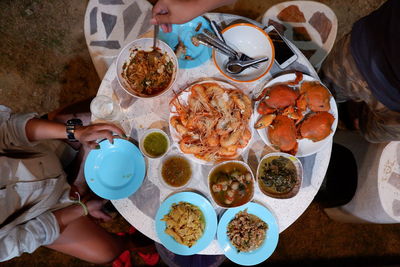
(70, 128)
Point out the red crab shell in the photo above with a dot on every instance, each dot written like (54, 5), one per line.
(281, 96)
(317, 126)
(264, 109)
(282, 134)
(315, 95)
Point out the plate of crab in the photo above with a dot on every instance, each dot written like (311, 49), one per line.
(211, 121)
(295, 113)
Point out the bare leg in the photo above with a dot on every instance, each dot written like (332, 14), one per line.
(88, 241)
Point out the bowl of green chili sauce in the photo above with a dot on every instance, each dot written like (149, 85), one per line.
(154, 143)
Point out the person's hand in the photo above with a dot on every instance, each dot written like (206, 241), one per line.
(167, 12)
(89, 134)
(94, 208)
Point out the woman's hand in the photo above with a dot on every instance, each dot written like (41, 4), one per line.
(167, 12)
(94, 208)
(39, 129)
(89, 134)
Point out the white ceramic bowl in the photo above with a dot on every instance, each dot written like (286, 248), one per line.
(146, 133)
(175, 154)
(145, 44)
(252, 41)
(227, 162)
(299, 170)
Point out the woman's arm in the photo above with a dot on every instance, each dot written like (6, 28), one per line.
(167, 12)
(39, 129)
(69, 214)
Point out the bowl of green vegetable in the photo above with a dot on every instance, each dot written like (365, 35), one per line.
(279, 175)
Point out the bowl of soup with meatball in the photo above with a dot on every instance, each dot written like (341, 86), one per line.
(231, 184)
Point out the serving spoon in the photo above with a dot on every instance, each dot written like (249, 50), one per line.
(155, 53)
(236, 66)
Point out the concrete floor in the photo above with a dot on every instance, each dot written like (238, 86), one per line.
(44, 64)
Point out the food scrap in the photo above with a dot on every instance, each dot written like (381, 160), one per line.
(198, 27)
(181, 51)
(195, 40)
(185, 223)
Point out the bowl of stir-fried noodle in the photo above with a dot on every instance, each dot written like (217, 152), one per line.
(145, 72)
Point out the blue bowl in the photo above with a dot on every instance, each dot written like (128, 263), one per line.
(184, 33)
(116, 170)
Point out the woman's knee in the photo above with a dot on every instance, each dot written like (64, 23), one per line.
(88, 241)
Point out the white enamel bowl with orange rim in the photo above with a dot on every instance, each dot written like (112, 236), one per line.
(252, 41)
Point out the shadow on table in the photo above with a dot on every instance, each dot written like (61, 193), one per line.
(174, 260)
(350, 261)
(340, 183)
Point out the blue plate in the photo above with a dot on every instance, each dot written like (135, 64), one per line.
(116, 170)
(264, 251)
(184, 32)
(210, 218)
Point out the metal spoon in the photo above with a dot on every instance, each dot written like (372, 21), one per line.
(155, 53)
(237, 66)
(156, 29)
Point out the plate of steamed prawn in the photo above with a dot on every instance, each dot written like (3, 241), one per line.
(211, 121)
(295, 113)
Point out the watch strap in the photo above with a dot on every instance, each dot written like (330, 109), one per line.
(70, 129)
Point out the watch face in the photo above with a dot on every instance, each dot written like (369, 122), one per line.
(74, 122)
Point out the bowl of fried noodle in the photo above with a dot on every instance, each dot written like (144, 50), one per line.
(145, 72)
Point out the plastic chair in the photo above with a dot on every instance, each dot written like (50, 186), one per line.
(110, 25)
(311, 26)
(378, 186)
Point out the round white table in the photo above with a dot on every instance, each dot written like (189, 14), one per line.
(141, 114)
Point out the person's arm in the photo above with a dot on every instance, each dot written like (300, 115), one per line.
(167, 12)
(69, 214)
(379, 127)
(39, 129)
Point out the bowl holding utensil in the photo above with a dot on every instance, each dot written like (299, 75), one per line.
(251, 43)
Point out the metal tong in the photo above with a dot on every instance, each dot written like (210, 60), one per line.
(219, 36)
(217, 45)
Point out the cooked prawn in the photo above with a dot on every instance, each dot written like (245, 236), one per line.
(214, 122)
